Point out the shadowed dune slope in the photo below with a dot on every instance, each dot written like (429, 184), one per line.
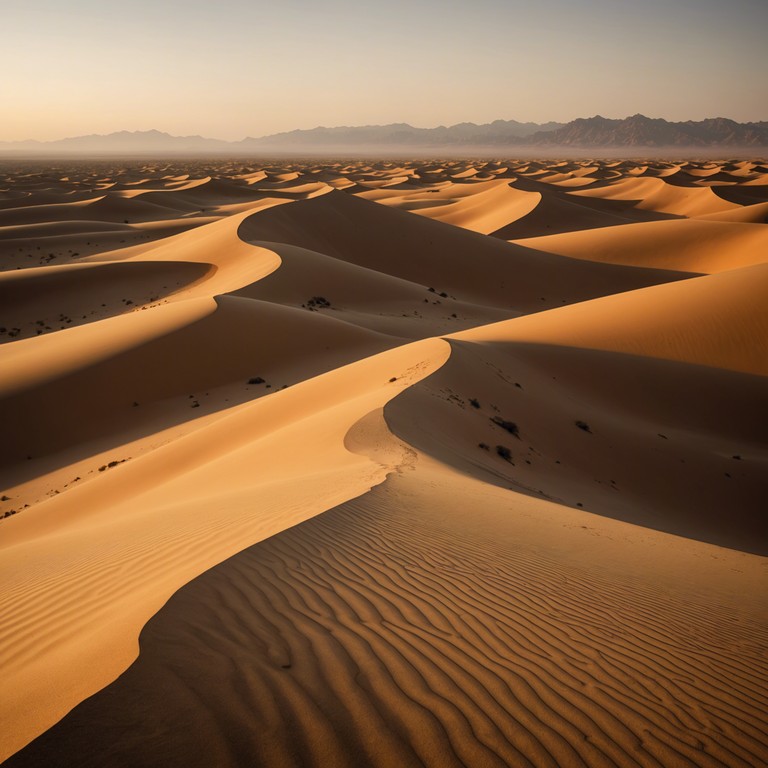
(424, 251)
(667, 382)
(557, 213)
(113, 370)
(36, 301)
(587, 429)
(364, 297)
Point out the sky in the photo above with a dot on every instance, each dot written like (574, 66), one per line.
(234, 68)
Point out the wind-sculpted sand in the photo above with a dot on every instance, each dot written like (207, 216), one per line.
(420, 463)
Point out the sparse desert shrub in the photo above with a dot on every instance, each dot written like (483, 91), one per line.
(484, 446)
(256, 380)
(504, 452)
(583, 426)
(474, 402)
(509, 426)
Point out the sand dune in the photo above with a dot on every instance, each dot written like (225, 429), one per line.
(435, 254)
(712, 320)
(52, 298)
(388, 629)
(310, 465)
(656, 194)
(750, 214)
(192, 347)
(141, 529)
(689, 245)
(588, 428)
(482, 210)
(562, 211)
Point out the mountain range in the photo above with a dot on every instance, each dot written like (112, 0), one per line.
(596, 132)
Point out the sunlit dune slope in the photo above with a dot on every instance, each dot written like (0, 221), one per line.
(694, 246)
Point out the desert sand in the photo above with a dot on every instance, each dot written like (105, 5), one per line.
(443, 463)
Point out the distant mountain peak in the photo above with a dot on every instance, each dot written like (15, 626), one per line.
(641, 131)
(595, 132)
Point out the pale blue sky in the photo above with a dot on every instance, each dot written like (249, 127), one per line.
(233, 68)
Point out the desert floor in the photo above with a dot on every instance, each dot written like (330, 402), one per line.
(384, 464)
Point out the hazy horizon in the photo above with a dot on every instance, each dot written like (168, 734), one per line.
(242, 68)
(193, 135)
